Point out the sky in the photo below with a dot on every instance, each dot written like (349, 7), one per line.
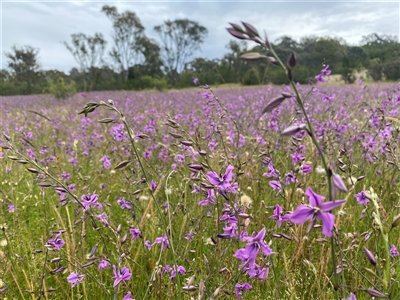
(47, 24)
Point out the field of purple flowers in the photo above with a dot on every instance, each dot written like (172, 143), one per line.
(199, 195)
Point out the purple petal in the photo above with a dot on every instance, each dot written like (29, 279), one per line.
(327, 206)
(260, 236)
(213, 178)
(301, 214)
(315, 199)
(328, 221)
(228, 173)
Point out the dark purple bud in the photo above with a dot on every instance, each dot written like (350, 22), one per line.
(236, 34)
(321, 240)
(250, 29)
(187, 143)
(338, 182)
(122, 164)
(196, 168)
(291, 62)
(274, 103)
(22, 161)
(363, 213)
(276, 235)
(143, 136)
(252, 56)
(286, 236)
(360, 178)
(12, 157)
(375, 293)
(123, 240)
(6, 137)
(56, 259)
(202, 152)
(237, 27)
(370, 256)
(293, 129)
(32, 170)
(88, 264)
(93, 251)
(175, 135)
(45, 184)
(51, 290)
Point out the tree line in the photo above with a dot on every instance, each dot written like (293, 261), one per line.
(139, 62)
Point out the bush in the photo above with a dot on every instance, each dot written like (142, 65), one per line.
(60, 88)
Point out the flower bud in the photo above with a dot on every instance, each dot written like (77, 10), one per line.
(375, 293)
(294, 129)
(370, 256)
(338, 182)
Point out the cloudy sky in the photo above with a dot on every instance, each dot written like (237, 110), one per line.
(46, 24)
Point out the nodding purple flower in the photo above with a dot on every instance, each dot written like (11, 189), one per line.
(128, 296)
(73, 161)
(148, 245)
(206, 95)
(393, 251)
(65, 176)
(31, 154)
(239, 287)
(249, 253)
(352, 297)
(135, 233)
(223, 182)
(75, 278)
(278, 215)
(276, 185)
(316, 209)
(103, 219)
(103, 264)
(123, 203)
(106, 162)
(195, 80)
(290, 177)
(153, 185)
(163, 240)
(121, 276)
(324, 72)
(56, 243)
(306, 169)
(181, 270)
(362, 198)
(297, 157)
(209, 199)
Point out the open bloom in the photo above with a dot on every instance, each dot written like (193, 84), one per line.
(318, 210)
(249, 253)
(223, 182)
(75, 278)
(122, 275)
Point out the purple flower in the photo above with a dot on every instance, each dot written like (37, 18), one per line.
(241, 287)
(223, 182)
(324, 72)
(103, 264)
(209, 200)
(65, 176)
(276, 185)
(195, 80)
(123, 203)
(56, 243)
(122, 275)
(148, 245)
(90, 200)
(249, 253)
(306, 169)
(290, 177)
(181, 270)
(163, 240)
(128, 296)
(393, 251)
(135, 233)
(153, 185)
(11, 208)
(316, 209)
(352, 297)
(103, 218)
(75, 278)
(106, 162)
(362, 198)
(278, 215)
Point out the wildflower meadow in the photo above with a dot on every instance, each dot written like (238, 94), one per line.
(266, 192)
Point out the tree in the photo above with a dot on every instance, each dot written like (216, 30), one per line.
(127, 37)
(88, 53)
(180, 39)
(23, 63)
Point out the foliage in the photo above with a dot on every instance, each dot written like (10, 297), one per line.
(180, 39)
